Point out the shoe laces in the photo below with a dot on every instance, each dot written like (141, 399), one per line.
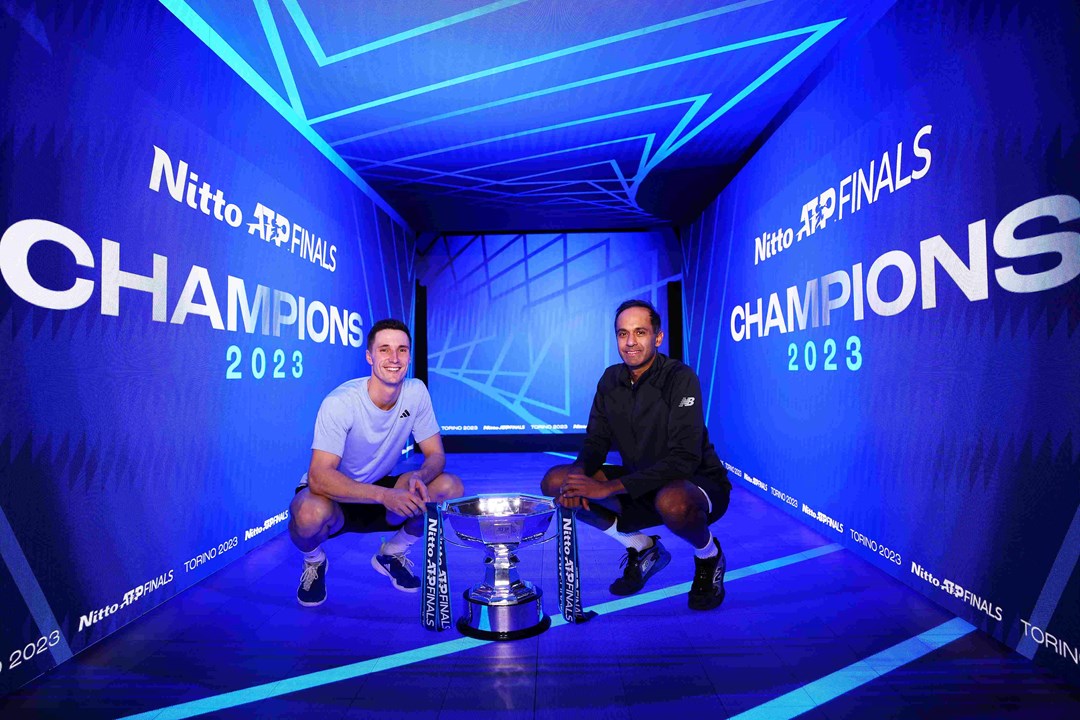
(632, 564)
(311, 572)
(703, 573)
(403, 560)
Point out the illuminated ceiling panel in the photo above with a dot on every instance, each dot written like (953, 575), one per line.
(532, 114)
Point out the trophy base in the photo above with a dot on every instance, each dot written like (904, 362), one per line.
(503, 622)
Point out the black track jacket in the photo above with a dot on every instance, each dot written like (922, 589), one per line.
(657, 425)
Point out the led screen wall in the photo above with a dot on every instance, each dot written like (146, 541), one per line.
(883, 309)
(520, 327)
(184, 278)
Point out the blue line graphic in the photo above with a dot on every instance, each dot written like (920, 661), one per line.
(554, 55)
(430, 652)
(1056, 580)
(845, 680)
(323, 60)
(585, 82)
(29, 588)
(266, 17)
(723, 299)
(223, 50)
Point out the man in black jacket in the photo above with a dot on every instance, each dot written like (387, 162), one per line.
(648, 408)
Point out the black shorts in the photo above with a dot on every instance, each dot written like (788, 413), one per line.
(365, 517)
(640, 513)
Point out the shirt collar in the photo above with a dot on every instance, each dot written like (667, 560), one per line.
(624, 372)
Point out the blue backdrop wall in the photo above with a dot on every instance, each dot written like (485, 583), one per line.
(184, 277)
(521, 326)
(883, 308)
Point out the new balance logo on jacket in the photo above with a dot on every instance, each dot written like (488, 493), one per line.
(686, 402)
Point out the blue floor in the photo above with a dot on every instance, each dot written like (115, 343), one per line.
(807, 630)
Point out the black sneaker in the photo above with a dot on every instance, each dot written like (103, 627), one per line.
(707, 590)
(399, 569)
(640, 566)
(312, 590)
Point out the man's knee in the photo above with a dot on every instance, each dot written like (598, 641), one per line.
(309, 513)
(445, 487)
(553, 479)
(680, 503)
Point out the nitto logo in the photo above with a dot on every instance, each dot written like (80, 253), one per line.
(686, 402)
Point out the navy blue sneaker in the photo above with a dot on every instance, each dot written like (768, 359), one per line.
(707, 590)
(640, 566)
(312, 590)
(399, 569)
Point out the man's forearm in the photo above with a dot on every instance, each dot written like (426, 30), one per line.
(341, 488)
(432, 467)
(616, 487)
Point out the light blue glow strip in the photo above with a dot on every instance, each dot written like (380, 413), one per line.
(1060, 572)
(317, 51)
(361, 252)
(723, 295)
(502, 373)
(499, 396)
(520, 180)
(414, 168)
(619, 173)
(534, 369)
(554, 55)
(562, 455)
(614, 75)
(31, 591)
(306, 32)
(215, 42)
(453, 349)
(689, 115)
(523, 179)
(709, 251)
(633, 601)
(589, 146)
(546, 192)
(820, 31)
(857, 674)
(266, 17)
(540, 191)
(430, 652)
(645, 156)
(546, 128)
(611, 193)
(690, 285)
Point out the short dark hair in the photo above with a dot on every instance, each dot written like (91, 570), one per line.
(388, 324)
(654, 317)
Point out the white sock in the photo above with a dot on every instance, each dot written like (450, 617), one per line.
(398, 544)
(708, 551)
(637, 540)
(315, 557)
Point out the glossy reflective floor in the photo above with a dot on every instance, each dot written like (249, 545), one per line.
(807, 630)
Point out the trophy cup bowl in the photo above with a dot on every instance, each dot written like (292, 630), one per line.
(503, 606)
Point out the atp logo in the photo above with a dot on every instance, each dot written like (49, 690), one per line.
(687, 402)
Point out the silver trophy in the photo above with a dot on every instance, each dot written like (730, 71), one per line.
(503, 606)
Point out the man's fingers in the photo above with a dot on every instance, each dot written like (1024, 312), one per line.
(421, 490)
(572, 502)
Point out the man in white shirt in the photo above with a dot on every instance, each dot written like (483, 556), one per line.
(361, 428)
